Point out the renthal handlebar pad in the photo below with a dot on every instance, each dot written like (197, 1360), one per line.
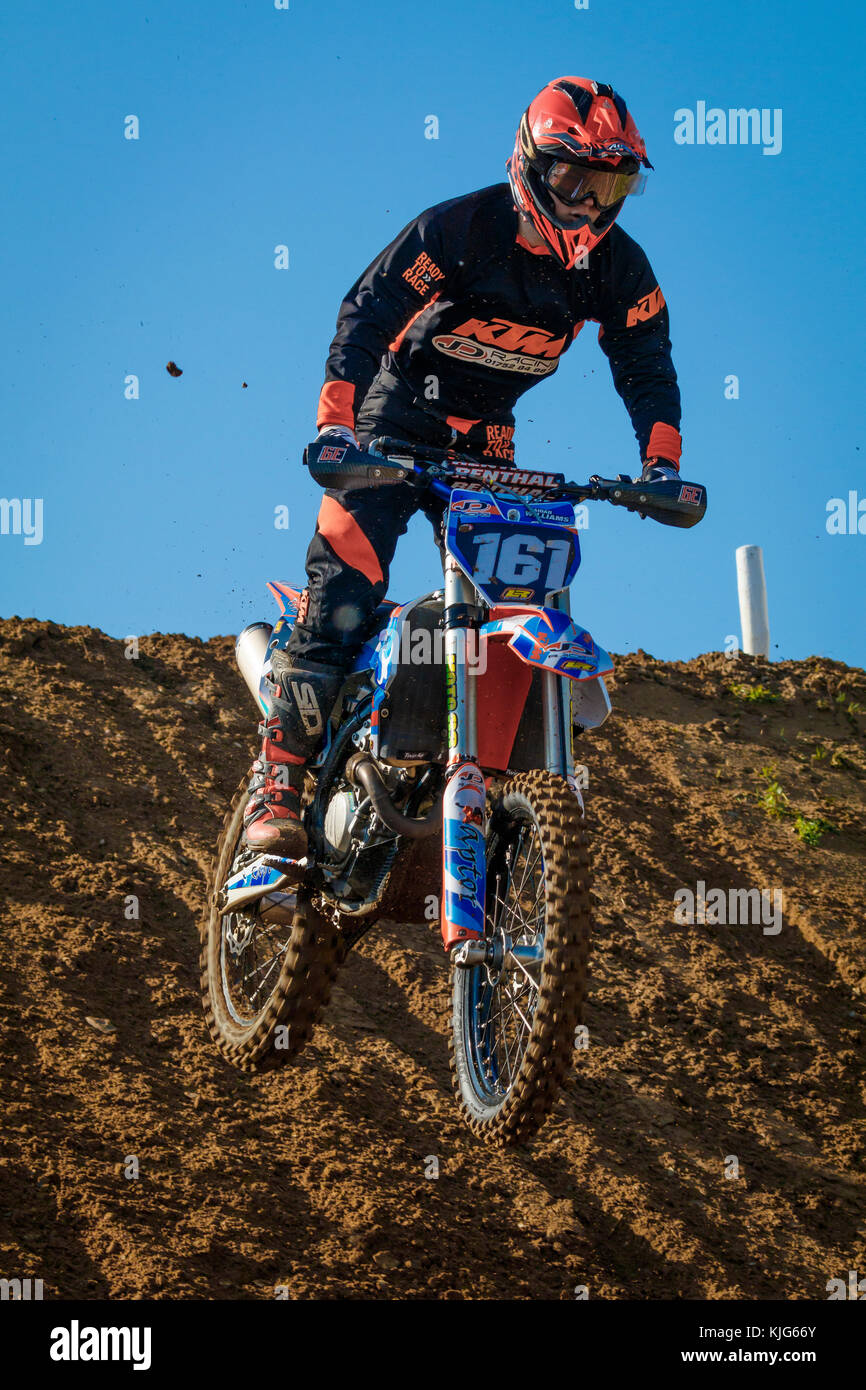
(343, 466)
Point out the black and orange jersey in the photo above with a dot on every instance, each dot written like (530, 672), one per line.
(461, 315)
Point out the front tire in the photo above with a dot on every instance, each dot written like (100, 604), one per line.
(514, 1017)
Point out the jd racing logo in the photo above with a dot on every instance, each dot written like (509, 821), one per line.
(510, 347)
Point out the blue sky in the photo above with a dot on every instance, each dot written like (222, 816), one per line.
(306, 127)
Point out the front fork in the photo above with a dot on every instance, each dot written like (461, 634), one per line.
(556, 695)
(463, 813)
(464, 827)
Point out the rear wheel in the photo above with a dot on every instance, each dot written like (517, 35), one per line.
(514, 1016)
(266, 971)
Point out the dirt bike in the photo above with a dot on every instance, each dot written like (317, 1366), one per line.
(448, 759)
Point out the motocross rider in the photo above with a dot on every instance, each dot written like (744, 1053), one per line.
(470, 305)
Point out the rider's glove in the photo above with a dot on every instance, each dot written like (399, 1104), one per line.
(338, 432)
(658, 471)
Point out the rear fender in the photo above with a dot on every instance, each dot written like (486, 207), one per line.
(288, 600)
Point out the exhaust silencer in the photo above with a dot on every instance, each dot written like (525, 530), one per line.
(251, 648)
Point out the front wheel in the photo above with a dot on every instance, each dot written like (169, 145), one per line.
(514, 1015)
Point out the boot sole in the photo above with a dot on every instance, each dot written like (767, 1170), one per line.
(292, 848)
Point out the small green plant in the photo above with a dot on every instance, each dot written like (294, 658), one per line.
(812, 832)
(852, 709)
(753, 694)
(777, 805)
(836, 756)
(774, 799)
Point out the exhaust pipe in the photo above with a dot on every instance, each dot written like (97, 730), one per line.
(251, 648)
(364, 773)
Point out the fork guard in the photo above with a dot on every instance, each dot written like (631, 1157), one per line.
(464, 863)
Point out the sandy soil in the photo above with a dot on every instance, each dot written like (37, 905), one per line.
(707, 1042)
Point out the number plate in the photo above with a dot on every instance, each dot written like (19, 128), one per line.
(512, 554)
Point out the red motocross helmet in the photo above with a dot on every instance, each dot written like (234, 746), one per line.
(577, 138)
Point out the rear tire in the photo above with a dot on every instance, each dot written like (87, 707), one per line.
(258, 1033)
(508, 1067)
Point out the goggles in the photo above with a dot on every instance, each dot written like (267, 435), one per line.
(571, 183)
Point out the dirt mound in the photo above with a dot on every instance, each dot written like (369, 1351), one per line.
(136, 1164)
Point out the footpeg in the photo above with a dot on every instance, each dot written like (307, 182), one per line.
(267, 874)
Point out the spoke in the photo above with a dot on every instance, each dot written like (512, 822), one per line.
(507, 908)
(251, 972)
(516, 911)
(269, 932)
(504, 1011)
(527, 1025)
(523, 880)
(530, 978)
(252, 966)
(503, 1037)
(537, 904)
(267, 966)
(518, 906)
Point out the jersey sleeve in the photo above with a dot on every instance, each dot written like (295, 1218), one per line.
(634, 336)
(399, 284)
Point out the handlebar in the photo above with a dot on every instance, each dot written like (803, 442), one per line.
(673, 502)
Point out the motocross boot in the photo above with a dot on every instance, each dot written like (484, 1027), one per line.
(301, 698)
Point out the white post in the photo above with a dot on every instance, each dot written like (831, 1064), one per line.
(752, 588)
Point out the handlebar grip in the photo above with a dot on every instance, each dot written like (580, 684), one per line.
(386, 445)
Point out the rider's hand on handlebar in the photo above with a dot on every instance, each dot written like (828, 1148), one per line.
(341, 432)
(658, 471)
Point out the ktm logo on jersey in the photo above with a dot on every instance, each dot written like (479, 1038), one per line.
(646, 308)
(512, 337)
(507, 346)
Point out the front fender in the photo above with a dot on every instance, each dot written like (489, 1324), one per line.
(551, 640)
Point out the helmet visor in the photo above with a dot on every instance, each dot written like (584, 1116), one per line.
(571, 183)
